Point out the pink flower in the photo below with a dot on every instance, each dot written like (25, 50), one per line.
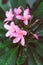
(17, 11)
(11, 29)
(26, 16)
(19, 36)
(36, 36)
(9, 16)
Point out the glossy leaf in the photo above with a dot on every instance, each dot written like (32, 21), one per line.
(4, 6)
(40, 32)
(16, 3)
(39, 44)
(22, 3)
(30, 58)
(5, 43)
(1, 25)
(31, 2)
(22, 57)
(9, 58)
(2, 35)
(39, 50)
(39, 10)
(2, 30)
(36, 58)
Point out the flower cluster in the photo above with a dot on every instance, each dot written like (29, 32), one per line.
(14, 30)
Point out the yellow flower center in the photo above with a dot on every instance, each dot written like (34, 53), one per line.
(20, 33)
(24, 18)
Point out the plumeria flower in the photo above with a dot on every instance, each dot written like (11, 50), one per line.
(26, 16)
(19, 36)
(17, 11)
(36, 36)
(11, 29)
(9, 16)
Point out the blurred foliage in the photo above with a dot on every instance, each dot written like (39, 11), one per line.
(11, 54)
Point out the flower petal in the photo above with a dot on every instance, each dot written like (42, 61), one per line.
(25, 22)
(7, 13)
(15, 34)
(17, 11)
(26, 12)
(12, 24)
(19, 17)
(7, 34)
(22, 41)
(16, 40)
(24, 32)
(6, 26)
(6, 19)
(36, 36)
(29, 17)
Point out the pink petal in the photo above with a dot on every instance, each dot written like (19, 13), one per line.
(24, 32)
(16, 40)
(6, 19)
(12, 24)
(19, 17)
(25, 22)
(18, 30)
(10, 10)
(26, 12)
(7, 13)
(15, 34)
(36, 36)
(17, 10)
(6, 26)
(29, 17)
(22, 41)
(7, 34)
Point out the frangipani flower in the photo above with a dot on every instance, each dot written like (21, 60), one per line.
(17, 11)
(9, 16)
(26, 16)
(19, 36)
(11, 29)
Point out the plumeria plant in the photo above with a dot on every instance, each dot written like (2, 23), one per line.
(14, 31)
(21, 36)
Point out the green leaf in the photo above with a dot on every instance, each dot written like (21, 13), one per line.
(2, 29)
(30, 58)
(2, 33)
(22, 3)
(39, 10)
(9, 58)
(39, 51)
(1, 25)
(2, 14)
(39, 47)
(35, 57)
(5, 43)
(22, 57)
(16, 3)
(39, 44)
(4, 6)
(31, 2)
(40, 32)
